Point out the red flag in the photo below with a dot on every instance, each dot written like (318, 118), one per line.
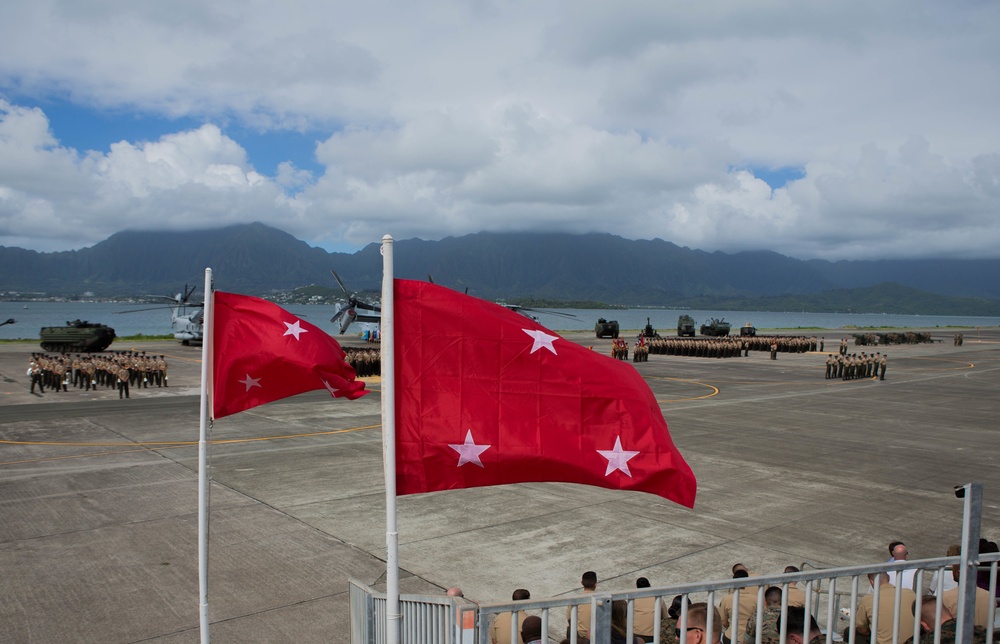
(263, 353)
(485, 396)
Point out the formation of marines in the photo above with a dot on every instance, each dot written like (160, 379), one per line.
(731, 346)
(856, 367)
(366, 362)
(121, 370)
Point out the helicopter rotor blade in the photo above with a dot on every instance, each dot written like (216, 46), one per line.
(339, 281)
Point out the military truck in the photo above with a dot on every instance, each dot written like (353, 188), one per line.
(77, 336)
(606, 329)
(685, 326)
(715, 327)
(748, 330)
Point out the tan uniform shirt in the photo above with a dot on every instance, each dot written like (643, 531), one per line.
(500, 631)
(886, 604)
(796, 597)
(748, 607)
(582, 617)
(645, 614)
(949, 599)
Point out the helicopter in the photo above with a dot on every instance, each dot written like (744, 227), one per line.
(187, 318)
(355, 310)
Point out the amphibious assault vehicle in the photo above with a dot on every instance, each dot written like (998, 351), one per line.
(685, 326)
(715, 327)
(604, 329)
(77, 336)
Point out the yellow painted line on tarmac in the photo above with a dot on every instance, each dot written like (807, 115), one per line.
(169, 444)
(715, 390)
(965, 365)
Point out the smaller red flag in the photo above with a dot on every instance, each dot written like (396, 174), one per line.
(263, 353)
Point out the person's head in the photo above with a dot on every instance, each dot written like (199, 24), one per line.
(740, 574)
(927, 612)
(790, 569)
(739, 566)
(455, 592)
(878, 578)
(674, 612)
(531, 629)
(795, 622)
(697, 622)
(772, 597)
(520, 595)
(589, 580)
(642, 582)
(899, 552)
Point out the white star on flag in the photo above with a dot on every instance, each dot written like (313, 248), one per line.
(542, 339)
(468, 452)
(333, 390)
(294, 329)
(617, 458)
(251, 382)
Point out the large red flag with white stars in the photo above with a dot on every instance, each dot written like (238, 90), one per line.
(486, 396)
(263, 353)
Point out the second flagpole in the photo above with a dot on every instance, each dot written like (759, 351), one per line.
(387, 333)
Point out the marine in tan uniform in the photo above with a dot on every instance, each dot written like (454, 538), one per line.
(589, 583)
(886, 599)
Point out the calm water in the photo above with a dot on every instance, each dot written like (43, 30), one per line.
(38, 314)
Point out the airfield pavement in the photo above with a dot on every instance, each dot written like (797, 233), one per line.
(98, 497)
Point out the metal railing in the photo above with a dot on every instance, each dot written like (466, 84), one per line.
(832, 596)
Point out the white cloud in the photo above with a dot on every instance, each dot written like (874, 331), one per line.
(452, 117)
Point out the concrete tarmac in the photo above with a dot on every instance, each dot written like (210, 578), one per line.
(98, 496)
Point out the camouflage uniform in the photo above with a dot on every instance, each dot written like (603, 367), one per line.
(948, 635)
(668, 626)
(769, 630)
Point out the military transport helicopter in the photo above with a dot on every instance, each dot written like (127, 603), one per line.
(354, 310)
(187, 318)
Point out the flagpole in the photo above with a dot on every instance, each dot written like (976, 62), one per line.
(392, 614)
(206, 376)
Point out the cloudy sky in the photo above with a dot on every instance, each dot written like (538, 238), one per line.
(837, 130)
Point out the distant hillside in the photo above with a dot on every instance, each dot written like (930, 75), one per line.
(257, 259)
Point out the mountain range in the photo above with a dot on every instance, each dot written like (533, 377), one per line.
(257, 259)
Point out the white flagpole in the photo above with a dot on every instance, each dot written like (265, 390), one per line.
(206, 378)
(388, 335)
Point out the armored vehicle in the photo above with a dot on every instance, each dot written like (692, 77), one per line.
(748, 329)
(78, 336)
(685, 326)
(604, 329)
(715, 327)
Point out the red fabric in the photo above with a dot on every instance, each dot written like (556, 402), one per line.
(257, 358)
(466, 375)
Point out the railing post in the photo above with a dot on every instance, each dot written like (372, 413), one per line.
(971, 522)
(600, 632)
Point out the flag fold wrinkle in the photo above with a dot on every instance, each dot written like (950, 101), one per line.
(486, 396)
(263, 353)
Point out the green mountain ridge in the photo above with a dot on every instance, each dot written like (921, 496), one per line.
(552, 267)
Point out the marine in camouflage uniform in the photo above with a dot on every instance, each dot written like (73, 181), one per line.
(769, 627)
(949, 634)
(668, 628)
